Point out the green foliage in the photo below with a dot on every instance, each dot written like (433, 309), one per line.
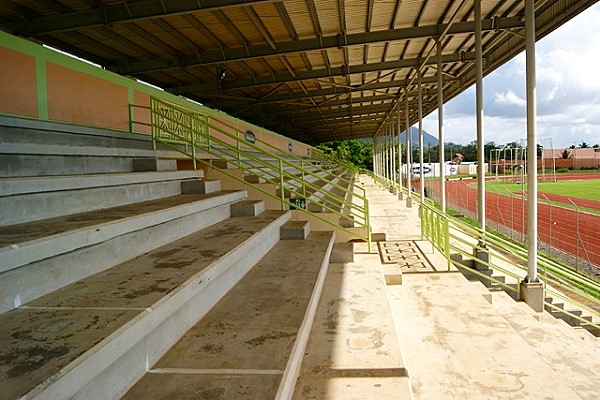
(357, 152)
(566, 154)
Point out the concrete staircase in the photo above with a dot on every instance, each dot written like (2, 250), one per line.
(471, 270)
(320, 181)
(109, 255)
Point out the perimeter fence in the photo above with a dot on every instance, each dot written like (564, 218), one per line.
(568, 228)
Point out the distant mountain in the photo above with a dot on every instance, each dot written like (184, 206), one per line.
(428, 139)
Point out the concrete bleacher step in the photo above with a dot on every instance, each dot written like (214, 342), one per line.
(37, 148)
(33, 198)
(569, 319)
(39, 257)
(295, 230)
(573, 353)
(247, 208)
(249, 346)
(96, 337)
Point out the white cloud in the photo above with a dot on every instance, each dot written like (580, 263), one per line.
(568, 92)
(510, 97)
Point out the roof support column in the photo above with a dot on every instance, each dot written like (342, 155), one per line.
(532, 290)
(441, 148)
(398, 130)
(408, 155)
(421, 175)
(375, 159)
(393, 154)
(479, 114)
(531, 142)
(386, 157)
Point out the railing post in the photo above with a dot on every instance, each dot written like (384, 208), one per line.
(303, 181)
(281, 188)
(193, 133)
(238, 147)
(367, 222)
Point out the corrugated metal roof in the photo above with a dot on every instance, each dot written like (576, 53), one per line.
(315, 70)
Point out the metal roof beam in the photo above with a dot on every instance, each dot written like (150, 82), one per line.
(119, 13)
(315, 74)
(317, 43)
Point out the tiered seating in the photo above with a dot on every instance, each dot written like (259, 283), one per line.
(108, 255)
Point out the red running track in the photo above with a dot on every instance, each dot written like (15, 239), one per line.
(574, 232)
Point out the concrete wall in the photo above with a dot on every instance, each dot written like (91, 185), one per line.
(37, 82)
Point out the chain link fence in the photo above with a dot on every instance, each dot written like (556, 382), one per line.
(568, 228)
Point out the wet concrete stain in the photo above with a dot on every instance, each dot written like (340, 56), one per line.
(211, 348)
(210, 394)
(24, 361)
(154, 288)
(263, 339)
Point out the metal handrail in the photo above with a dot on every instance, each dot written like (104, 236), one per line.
(185, 130)
(556, 276)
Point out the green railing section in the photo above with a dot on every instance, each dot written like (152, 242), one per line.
(327, 185)
(453, 237)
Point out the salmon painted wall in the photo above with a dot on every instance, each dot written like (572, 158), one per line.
(18, 83)
(37, 82)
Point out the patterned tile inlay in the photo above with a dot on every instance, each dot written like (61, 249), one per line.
(406, 254)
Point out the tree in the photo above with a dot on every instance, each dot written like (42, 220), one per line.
(583, 145)
(565, 155)
(357, 152)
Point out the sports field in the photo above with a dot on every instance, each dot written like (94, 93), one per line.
(588, 189)
(568, 217)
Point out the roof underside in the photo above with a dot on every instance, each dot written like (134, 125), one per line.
(313, 70)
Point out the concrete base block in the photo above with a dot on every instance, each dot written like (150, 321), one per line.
(253, 179)
(220, 164)
(200, 186)
(409, 202)
(342, 253)
(484, 257)
(247, 208)
(400, 195)
(294, 230)
(532, 293)
(392, 274)
(154, 164)
(378, 237)
(347, 222)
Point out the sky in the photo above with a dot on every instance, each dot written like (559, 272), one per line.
(568, 93)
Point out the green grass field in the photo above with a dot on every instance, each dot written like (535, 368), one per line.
(583, 189)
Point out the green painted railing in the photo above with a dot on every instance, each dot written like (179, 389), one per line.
(458, 241)
(321, 182)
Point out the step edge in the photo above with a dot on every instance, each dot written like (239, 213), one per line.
(294, 364)
(115, 345)
(17, 255)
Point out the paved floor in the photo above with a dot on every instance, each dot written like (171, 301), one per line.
(453, 338)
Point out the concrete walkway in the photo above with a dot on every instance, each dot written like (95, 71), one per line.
(455, 339)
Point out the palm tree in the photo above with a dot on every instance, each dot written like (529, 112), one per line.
(565, 155)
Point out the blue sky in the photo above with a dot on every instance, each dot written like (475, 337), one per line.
(568, 90)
